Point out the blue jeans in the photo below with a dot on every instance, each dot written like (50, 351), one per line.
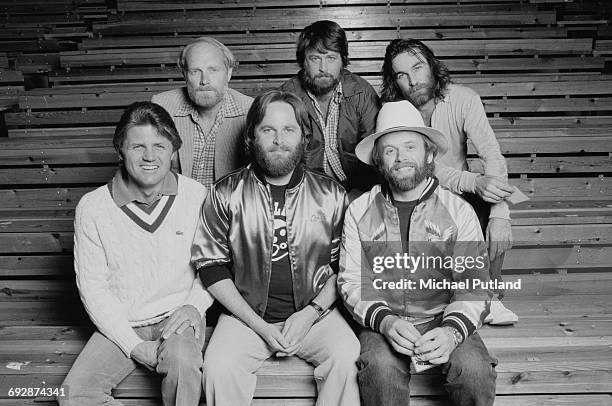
(101, 366)
(384, 375)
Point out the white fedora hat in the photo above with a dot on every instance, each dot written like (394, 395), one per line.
(398, 116)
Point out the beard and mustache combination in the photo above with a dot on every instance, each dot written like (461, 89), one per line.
(274, 166)
(320, 84)
(205, 96)
(421, 93)
(407, 182)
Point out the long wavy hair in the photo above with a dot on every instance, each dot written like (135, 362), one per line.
(390, 90)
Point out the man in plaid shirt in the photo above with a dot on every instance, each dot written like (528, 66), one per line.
(341, 106)
(210, 117)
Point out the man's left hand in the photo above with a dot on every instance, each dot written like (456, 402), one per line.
(297, 326)
(435, 346)
(499, 236)
(182, 318)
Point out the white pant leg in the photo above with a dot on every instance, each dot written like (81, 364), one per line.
(233, 355)
(331, 346)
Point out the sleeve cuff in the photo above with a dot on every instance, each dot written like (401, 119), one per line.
(467, 182)
(127, 344)
(213, 274)
(460, 322)
(500, 210)
(375, 315)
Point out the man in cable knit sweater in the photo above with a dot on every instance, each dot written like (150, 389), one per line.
(132, 262)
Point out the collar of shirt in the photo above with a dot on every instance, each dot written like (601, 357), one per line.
(229, 108)
(335, 98)
(123, 195)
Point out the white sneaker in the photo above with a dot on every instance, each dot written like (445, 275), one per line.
(500, 315)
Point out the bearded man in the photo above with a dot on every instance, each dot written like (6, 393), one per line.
(267, 248)
(209, 116)
(407, 317)
(412, 72)
(341, 106)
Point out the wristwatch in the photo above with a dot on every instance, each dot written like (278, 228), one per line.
(457, 337)
(319, 309)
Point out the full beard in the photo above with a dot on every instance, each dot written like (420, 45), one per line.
(274, 166)
(205, 99)
(318, 85)
(408, 182)
(419, 95)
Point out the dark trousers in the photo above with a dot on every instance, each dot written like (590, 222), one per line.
(483, 210)
(384, 375)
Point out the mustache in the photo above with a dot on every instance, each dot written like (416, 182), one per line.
(403, 165)
(280, 147)
(418, 87)
(206, 88)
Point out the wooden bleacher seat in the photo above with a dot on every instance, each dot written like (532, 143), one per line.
(540, 66)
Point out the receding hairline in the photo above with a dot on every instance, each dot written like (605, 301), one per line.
(228, 58)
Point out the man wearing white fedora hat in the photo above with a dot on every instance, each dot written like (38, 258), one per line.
(412, 72)
(415, 307)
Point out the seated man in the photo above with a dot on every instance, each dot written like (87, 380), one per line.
(131, 257)
(412, 72)
(410, 317)
(267, 249)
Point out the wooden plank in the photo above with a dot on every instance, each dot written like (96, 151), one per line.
(565, 189)
(501, 400)
(329, 11)
(552, 192)
(541, 235)
(35, 242)
(282, 52)
(524, 105)
(39, 221)
(139, 6)
(542, 165)
(40, 198)
(558, 284)
(57, 175)
(104, 132)
(109, 95)
(11, 76)
(359, 66)
(281, 23)
(37, 265)
(352, 35)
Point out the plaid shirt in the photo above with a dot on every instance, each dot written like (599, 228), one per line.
(203, 169)
(331, 160)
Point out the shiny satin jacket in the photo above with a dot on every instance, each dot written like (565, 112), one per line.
(236, 232)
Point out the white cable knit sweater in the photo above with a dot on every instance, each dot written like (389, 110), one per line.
(128, 276)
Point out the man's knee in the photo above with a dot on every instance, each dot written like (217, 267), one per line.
(344, 357)
(471, 367)
(379, 361)
(81, 391)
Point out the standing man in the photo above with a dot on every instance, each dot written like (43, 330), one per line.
(210, 117)
(267, 247)
(341, 106)
(132, 261)
(412, 72)
(409, 214)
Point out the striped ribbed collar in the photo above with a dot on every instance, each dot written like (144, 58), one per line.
(148, 216)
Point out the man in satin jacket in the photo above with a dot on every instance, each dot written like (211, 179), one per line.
(267, 248)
